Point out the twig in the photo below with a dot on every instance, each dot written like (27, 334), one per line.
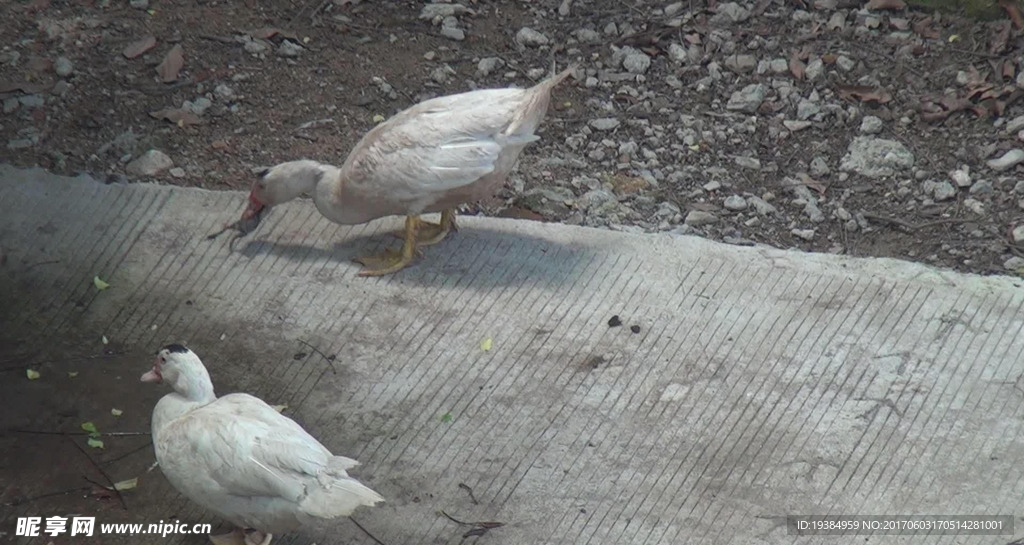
(469, 490)
(479, 528)
(365, 531)
(127, 454)
(50, 262)
(102, 472)
(330, 359)
(914, 227)
(975, 53)
(23, 501)
(55, 360)
(222, 39)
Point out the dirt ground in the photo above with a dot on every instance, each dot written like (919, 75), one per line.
(942, 86)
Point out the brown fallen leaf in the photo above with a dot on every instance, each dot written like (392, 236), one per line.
(885, 4)
(1013, 11)
(23, 86)
(797, 67)
(863, 93)
(269, 32)
(139, 47)
(1000, 38)
(829, 58)
(178, 116)
(520, 213)
(1009, 69)
(172, 64)
(923, 28)
(805, 179)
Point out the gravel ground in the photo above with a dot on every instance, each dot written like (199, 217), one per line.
(825, 126)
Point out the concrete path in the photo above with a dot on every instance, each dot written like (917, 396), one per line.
(744, 384)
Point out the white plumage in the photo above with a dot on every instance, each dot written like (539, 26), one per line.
(239, 458)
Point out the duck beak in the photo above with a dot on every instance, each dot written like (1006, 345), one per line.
(255, 207)
(153, 375)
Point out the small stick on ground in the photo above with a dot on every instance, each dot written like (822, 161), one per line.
(914, 227)
(365, 531)
(479, 528)
(102, 472)
(330, 359)
(469, 490)
(74, 433)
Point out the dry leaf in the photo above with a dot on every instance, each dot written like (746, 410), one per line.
(23, 86)
(923, 28)
(518, 212)
(1009, 69)
(863, 93)
(270, 32)
(797, 67)
(1001, 38)
(885, 4)
(1013, 11)
(829, 58)
(178, 116)
(172, 64)
(126, 484)
(812, 183)
(139, 47)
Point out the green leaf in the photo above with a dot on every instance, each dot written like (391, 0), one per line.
(486, 344)
(100, 284)
(126, 484)
(89, 427)
(116, 412)
(94, 443)
(446, 417)
(32, 374)
(72, 374)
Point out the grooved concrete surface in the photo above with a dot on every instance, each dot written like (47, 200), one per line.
(761, 382)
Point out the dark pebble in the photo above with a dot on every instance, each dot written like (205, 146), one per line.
(634, 328)
(614, 321)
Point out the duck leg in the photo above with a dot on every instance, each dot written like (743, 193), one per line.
(391, 261)
(429, 233)
(237, 537)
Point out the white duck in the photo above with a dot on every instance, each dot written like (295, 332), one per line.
(239, 458)
(429, 158)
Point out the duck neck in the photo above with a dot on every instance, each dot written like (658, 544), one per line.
(191, 391)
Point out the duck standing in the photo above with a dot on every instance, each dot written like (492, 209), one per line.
(429, 158)
(241, 459)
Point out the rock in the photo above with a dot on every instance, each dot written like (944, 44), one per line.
(430, 12)
(673, 9)
(982, 187)
(806, 109)
(224, 92)
(975, 206)
(586, 35)
(846, 64)
(32, 101)
(806, 234)
(876, 157)
(961, 177)
(697, 218)
(677, 53)
(177, 172)
(198, 106)
(819, 167)
(636, 62)
(453, 33)
(741, 63)
(1009, 160)
(762, 206)
(815, 69)
(1018, 234)
(812, 211)
(139, 4)
(149, 164)
(604, 123)
(20, 143)
(735, 203)
(795, 126)
(940, 191)
(1015, 124)
(255, 47)
(748, 99)
(753, 163)
(730, 13)
(531, 38)
(1019, 188)
(488, 65)
(289, 49)
(1015, 264)
(779, 66)
(871, 125)
(11, 105)
(597, 200)
(63, 67)
(713, 185)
